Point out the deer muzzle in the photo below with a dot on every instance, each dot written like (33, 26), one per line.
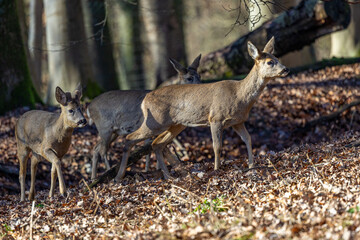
(82, 122)
(284, 72)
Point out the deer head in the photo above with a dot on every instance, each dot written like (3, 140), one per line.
(70, 107)
(268, 65)
(188, 75)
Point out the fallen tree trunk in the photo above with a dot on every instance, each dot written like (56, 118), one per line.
(293, 29)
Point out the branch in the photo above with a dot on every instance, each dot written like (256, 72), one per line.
(293, 29)
(328, 117)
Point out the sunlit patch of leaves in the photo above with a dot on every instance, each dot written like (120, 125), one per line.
(305, 186)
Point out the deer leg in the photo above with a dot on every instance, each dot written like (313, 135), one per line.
(216, 133)
(53, 180)
(23, 155)
(245, 136)
(171, 158)
(105, 149)
(100, 151)
(147, 157)
(160, 143)
(51, 157)
(95, 160)
(34, 162)
(128, 145)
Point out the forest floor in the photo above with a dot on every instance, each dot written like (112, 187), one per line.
(306, 184)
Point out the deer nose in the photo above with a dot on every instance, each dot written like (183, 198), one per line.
(82, 122)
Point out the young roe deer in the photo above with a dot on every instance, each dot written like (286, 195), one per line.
(169, 110)
(48, 136)
(118, 113)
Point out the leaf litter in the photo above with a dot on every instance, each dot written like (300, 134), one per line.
(305, 186)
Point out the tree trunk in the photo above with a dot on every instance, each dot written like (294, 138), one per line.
(16, 88)
(124, 26)
(346, 43)
(35, 44)
(100, 50)
(293, 30)
(79, 47)
(68, 57)
(62, 69)
(163, 22)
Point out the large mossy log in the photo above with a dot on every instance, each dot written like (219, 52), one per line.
(293, 29)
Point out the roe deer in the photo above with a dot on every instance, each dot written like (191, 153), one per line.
(117, 113)
(169, 110)
(47, 135)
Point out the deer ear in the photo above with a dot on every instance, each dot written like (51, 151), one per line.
(178, 67)
(78, 92)
(195, 63)
(60, 96)
(270, 46)
(253, 51)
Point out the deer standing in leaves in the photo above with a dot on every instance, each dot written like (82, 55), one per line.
(48, 136)
(169, 110)
(118, 113)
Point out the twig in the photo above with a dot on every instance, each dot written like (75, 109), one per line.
(162, 212)
(322, 176)
(207, 188)
(31, 219)
(178, 197)
(276, 170)
(186, 191)
(328, 117)
(96, 197)
(258, 167)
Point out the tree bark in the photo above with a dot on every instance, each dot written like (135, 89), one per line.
(16, 88)
(124, 26)
(293, 29)
(346, 43)
(79, 47)
(163, 22)
(100, 49)
(62, 70)
(35, 44)
(68, 57)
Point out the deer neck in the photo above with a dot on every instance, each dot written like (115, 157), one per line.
(62, 129)
(251, 87)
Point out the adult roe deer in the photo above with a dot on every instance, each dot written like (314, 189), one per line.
(48, 136)
(118, 113)
(169, 110)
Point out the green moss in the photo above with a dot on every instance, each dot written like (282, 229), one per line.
(326, 63)
(357, 53)
(14, 70)
(92, 90)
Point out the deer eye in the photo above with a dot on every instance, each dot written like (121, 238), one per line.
(271, 62)
(71, 111)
